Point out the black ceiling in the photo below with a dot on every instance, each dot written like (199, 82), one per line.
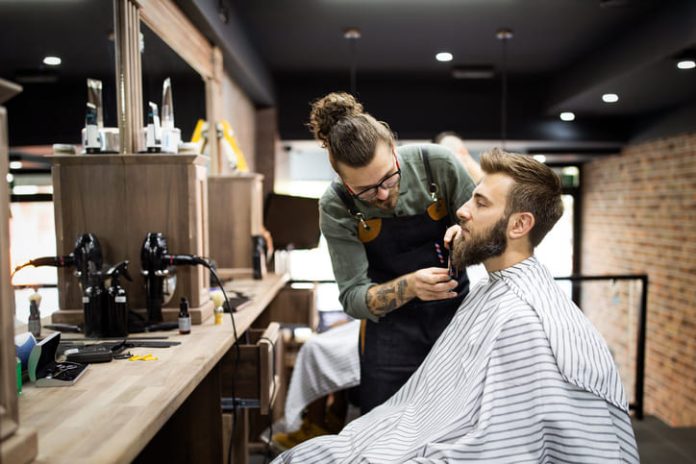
(564, 55)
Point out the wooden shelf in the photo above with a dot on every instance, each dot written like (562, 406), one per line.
(136, 158)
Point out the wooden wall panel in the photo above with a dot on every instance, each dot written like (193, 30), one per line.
(235, 214)
(122, 198)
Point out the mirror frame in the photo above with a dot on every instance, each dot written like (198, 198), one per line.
(178, 32)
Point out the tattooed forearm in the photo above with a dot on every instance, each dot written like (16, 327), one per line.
(386, 297)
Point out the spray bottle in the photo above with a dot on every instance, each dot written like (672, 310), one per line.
(117, 302)
(94, 303)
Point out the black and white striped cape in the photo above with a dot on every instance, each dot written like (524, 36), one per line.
(519, 375)
(326, 363)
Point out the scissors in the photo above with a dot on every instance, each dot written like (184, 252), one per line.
(145, 357)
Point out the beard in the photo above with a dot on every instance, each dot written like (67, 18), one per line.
(390, 203)
(477, 249)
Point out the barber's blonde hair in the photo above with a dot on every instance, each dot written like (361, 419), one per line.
(537, 189)
(351, 135)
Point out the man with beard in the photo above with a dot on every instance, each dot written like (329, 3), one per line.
(519, 375)
(384, 224)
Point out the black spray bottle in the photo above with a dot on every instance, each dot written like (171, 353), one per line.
(94, 304)
(117, 302)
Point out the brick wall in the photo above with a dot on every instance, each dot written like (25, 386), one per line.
(639, 216)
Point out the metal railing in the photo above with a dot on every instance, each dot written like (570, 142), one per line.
(638, 401)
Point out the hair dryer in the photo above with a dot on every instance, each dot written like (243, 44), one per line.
(86, 257)
(158, 271)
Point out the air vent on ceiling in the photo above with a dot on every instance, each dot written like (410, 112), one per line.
(482, 71)
(614, 3)
(38, 76)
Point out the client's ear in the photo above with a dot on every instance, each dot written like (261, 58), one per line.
(520, 224)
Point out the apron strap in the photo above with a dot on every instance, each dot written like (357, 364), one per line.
(432, 186)
(349, 203)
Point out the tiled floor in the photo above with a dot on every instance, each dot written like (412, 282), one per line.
(657, 443)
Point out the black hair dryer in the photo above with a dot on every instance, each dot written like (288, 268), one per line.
(159, 273)
(86, 257)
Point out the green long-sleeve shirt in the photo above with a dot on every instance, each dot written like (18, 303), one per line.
(348, 255)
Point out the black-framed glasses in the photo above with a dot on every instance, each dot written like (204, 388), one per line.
(370, 193)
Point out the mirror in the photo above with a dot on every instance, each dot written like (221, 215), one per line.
(51, 108)
(159, 61)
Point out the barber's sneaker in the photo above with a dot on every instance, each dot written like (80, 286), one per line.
(309, 430)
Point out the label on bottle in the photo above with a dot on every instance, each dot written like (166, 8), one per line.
(184, 324)
(85, 299)
(34, 326)
(120, 299)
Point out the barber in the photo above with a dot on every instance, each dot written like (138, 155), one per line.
(384, 223)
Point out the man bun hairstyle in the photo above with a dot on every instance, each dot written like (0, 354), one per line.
(537, 189)
(351, 135)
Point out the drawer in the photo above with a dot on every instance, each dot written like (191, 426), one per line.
(255, 380)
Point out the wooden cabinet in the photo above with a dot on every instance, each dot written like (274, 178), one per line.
(17, 445)
(252, 374)
(292, 305)
(120, 198)
(235, 214)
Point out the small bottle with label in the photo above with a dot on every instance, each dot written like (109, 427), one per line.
(34, 323)
(184, 317)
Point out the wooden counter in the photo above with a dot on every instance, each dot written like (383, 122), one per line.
(113, 412)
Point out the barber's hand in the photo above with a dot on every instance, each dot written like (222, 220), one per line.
(266, 234)
(433, 283)
(450, 235)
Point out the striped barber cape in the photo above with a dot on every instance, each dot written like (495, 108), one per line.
(326, 363)
(519, 375)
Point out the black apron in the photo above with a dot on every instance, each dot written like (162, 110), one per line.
(393, 348)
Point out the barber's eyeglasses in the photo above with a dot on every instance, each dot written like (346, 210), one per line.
(370, 193)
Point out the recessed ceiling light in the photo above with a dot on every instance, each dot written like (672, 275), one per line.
(352, 33)
(540, 158)
(52, 60)
(444, 56)
(610, 98)
(15, 165)
(567, 116)
(686, 64)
